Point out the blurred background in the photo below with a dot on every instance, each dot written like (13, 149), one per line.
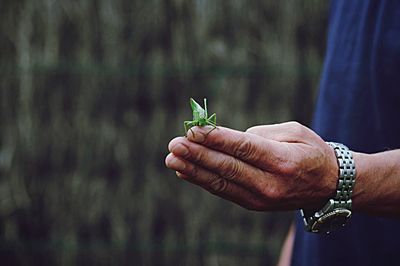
(91, 92)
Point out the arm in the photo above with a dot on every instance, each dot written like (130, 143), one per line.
(287, 248)
(282, 167)
(377, 189)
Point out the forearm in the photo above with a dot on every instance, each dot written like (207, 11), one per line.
(377, 188)
(287, 248)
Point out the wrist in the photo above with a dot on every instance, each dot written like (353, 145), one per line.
(337, 211)
(362, 162)
(374, 182)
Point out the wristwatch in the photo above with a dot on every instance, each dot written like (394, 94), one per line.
(337, 211)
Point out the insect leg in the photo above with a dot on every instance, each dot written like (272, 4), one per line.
(211, 122)
(188, 126)
(205, 107)
(213, 118)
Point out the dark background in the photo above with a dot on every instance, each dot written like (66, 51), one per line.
(91, 92)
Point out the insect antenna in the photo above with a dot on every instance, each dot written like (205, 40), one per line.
(205, 107)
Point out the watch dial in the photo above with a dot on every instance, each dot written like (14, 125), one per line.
(331, 221)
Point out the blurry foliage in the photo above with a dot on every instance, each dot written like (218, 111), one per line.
(91, 92)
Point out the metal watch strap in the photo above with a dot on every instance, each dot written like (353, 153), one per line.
(347, 173)
(341, 203)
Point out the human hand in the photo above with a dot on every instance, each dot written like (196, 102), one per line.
(275, 167)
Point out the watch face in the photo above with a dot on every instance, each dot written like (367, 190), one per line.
(331, 221)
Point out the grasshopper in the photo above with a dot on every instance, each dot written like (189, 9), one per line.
(200, 117)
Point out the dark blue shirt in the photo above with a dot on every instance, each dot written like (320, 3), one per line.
(358, 105)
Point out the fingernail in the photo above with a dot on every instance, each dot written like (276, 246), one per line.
(178, 174)
(182, 176)
(180, 150)
(197, 136)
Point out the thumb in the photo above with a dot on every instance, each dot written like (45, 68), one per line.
(283, 132)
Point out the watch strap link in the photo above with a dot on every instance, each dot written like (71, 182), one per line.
(347, 173)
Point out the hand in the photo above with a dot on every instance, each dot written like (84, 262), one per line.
(275, 167)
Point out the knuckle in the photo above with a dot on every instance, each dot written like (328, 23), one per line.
(194, 171)
(191, 172)
(288, 169)
(297, 129)
(293, 124)
(218, 185)
(244, 149)
(231, 169)
(274, 193)
(199, 157)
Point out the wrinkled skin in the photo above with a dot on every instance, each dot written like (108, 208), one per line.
(274, 167)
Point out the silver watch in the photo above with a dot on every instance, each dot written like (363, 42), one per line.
(337, 211)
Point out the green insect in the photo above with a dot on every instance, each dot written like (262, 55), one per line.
(200, 117)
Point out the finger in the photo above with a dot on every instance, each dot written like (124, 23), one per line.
(222, 164)
(214, 183)
(253, 149)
